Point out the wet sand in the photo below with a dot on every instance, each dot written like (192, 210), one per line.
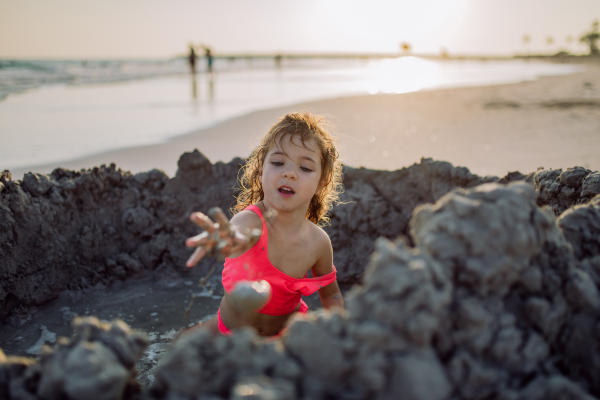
(553, 122)
(155, 308)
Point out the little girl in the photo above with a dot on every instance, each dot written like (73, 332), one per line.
(289, 183)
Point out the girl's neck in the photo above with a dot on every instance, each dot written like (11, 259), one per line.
(284, 220)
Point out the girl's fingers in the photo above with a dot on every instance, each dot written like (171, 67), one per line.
(217, 234)
(219, 217)
(198, 254)
(239, 239)
(223, 247)
(203, 222)
(236, 245)
(198, 240)
(254, 234)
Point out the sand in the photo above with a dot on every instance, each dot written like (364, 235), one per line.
(496, 299)
(491, 296)
(553, 122)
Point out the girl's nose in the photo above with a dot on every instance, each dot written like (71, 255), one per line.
(290, 174)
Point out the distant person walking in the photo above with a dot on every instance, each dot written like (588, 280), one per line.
(209, 59)
(192, 59)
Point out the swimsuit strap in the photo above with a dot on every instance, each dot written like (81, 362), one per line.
(256, 209)
(264, 239)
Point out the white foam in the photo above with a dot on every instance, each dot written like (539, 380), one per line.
(46, 336)
(169, 335)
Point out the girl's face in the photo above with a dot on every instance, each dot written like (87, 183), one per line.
(291, 174)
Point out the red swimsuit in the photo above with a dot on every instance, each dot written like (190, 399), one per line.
(254, 265)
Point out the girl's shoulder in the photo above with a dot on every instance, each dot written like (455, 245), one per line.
(247, 219)
(320, 237)
(324, 252)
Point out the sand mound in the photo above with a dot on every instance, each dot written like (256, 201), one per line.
(484, 295)
(490, 303)
(72, 230)
(98, 363)
(496, 299)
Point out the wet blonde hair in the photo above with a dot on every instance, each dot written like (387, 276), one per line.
(305, 126)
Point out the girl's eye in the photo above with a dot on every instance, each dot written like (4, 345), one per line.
(277, 163)
(306, 169)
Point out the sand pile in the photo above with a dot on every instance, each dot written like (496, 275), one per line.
(72, 230)
(497, 299)
(486, 295)
(98, 363)
(490, 303)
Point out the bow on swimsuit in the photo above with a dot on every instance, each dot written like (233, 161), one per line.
(286, 290)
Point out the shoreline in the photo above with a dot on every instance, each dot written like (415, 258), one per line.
(492, 130)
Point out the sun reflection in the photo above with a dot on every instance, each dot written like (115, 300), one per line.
(401, 75)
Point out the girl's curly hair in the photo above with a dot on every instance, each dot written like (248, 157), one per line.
(305, 125)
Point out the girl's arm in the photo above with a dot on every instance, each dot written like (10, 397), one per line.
(330, 295)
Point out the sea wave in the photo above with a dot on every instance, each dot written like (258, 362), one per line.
(21, 75)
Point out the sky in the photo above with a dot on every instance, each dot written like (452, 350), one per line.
(75, 29)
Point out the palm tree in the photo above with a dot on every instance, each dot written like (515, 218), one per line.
(591, 38)
(549, 41)
(526, 40)
(406, 47)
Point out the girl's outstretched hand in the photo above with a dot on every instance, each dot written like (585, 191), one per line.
(219, 238)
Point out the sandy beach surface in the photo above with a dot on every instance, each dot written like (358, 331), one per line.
(552, 122)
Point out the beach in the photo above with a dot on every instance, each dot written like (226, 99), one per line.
(449, 250)
(459, 276)
(552, 122)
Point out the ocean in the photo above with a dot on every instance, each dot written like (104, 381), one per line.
(57, 110)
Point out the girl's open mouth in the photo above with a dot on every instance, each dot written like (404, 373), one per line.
(286, 191)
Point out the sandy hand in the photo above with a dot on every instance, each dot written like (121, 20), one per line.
(219, 238)
(248, 296)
